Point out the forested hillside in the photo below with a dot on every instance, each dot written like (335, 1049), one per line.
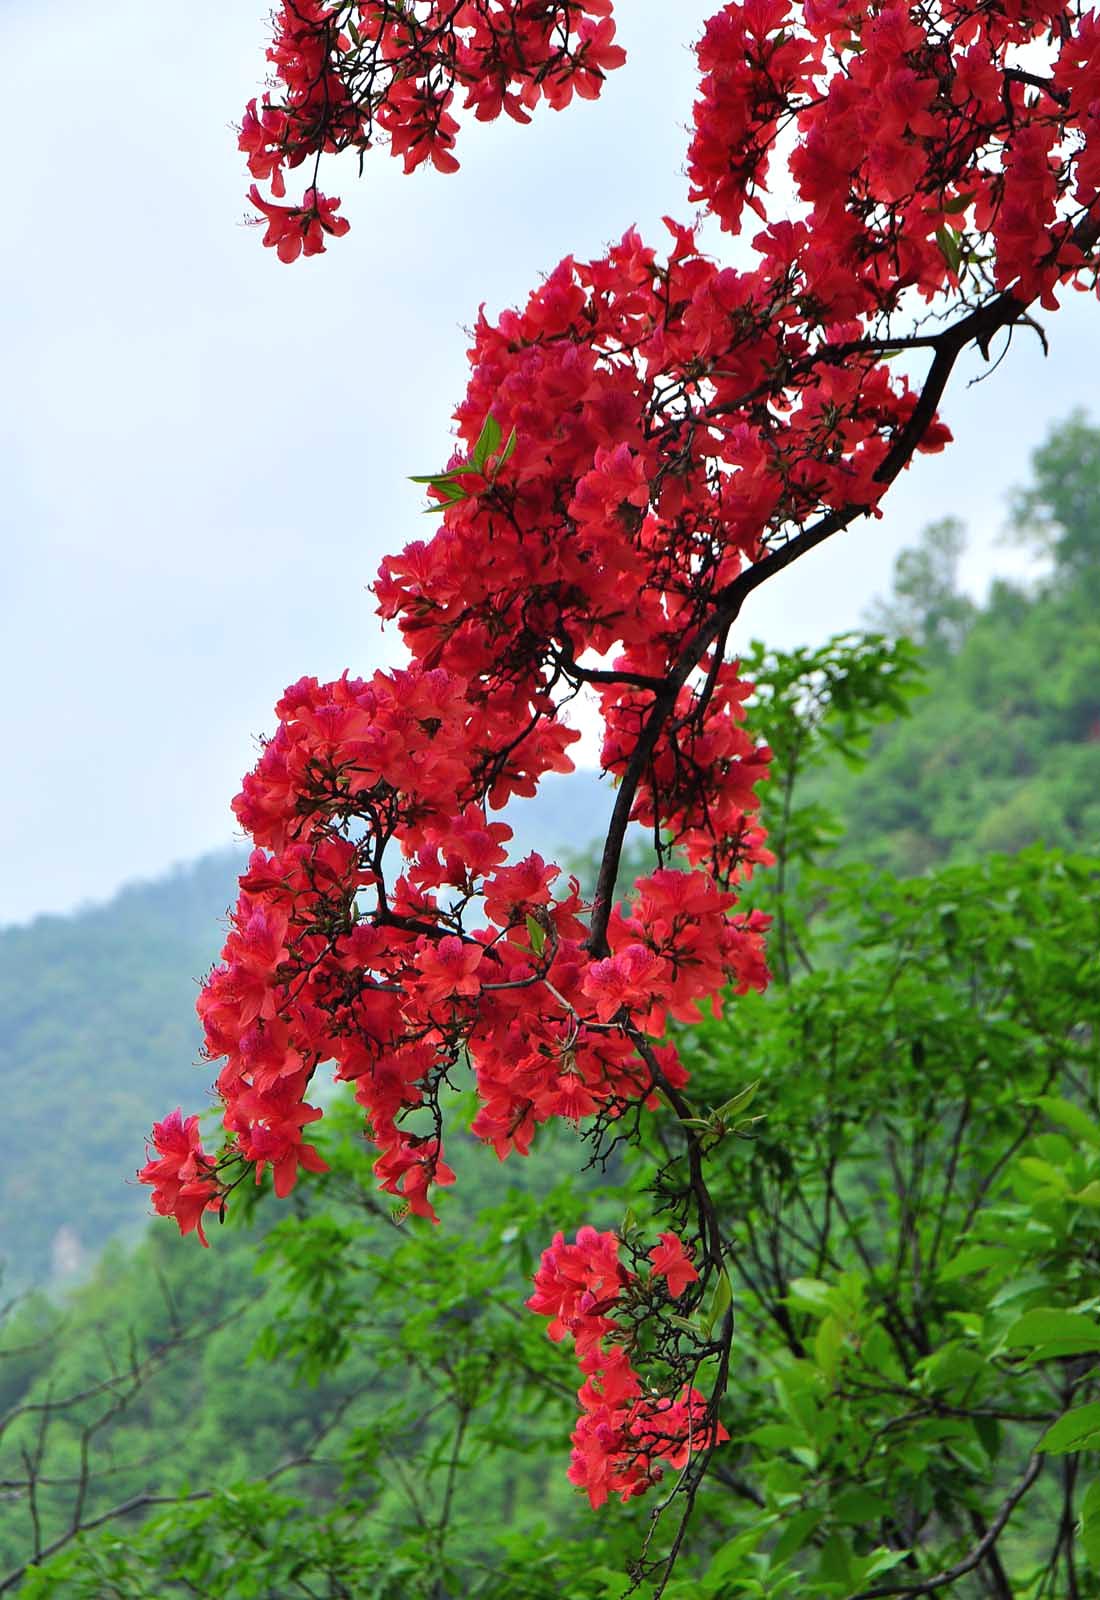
(1004, 747)
(151, 1381)
(98, 1035)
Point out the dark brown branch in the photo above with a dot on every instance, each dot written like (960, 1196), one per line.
(140, 1502)
(974, 1557)
(978, 327)
(1060, 97)
(738, 1486)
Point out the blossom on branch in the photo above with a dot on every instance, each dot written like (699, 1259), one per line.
(670, 1263)
(642, 443)
(353, 73)
(624, 1438)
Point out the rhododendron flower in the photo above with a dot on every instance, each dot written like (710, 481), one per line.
(181, 1175)
(446, 970)
(671, 1263)
(623, 1437)
(628, 978)
(409, 1169)
(268, 1126)
(672, 1429)
(576, 1284)
(299, 230)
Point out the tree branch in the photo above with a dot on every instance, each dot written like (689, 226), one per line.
(974, 1557)
(977, 327)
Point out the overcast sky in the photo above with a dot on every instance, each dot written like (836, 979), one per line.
(204, 452)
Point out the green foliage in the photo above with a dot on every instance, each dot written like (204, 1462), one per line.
(926, 605)
(1004, 750)
(97, 1036)
(340, 1421)
(1058, 512)
(486, 460)
(812, 707)
(912, 1199)
(915, 1229)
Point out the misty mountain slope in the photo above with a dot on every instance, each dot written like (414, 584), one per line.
(98, 1036)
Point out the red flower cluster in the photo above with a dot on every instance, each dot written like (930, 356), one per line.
(299, 230)
(181, 1174)
(624, 1438)
(925, 154)
(669, 423)
(335, 956)
(351, 71)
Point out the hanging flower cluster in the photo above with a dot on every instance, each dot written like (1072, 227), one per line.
(624, 1438)
(645, 441)
(350, 73)
(395, 971)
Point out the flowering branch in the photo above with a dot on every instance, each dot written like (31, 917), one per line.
(641, 446)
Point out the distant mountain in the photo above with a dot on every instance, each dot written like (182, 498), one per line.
(98, 1036)
(97, 1033)
(1004, 748)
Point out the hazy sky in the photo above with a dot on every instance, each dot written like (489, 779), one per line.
(204, 452)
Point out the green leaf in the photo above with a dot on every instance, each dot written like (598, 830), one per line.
(835, 1563)
(1090, 1503)
(858, 1506)
(729, 1561)
(1044, 1173)
(1049, 1333)
(948, 241)
(488, 442)
(880, 1561)
(740, 1102)
(537, 935)
(1070, 1116)
(1090, 1543)
(446, 484)
(972, 1258)
(1078, 1429)
(810, 1294)
(958, 202)
(685, 1324)
(953, 1363)
(1090, 1524)
(828, 1346)
(987, 1431)
(797, 1533)
(776, 1436)
(721, 1300)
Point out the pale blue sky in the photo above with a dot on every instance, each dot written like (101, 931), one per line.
(205, 452)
